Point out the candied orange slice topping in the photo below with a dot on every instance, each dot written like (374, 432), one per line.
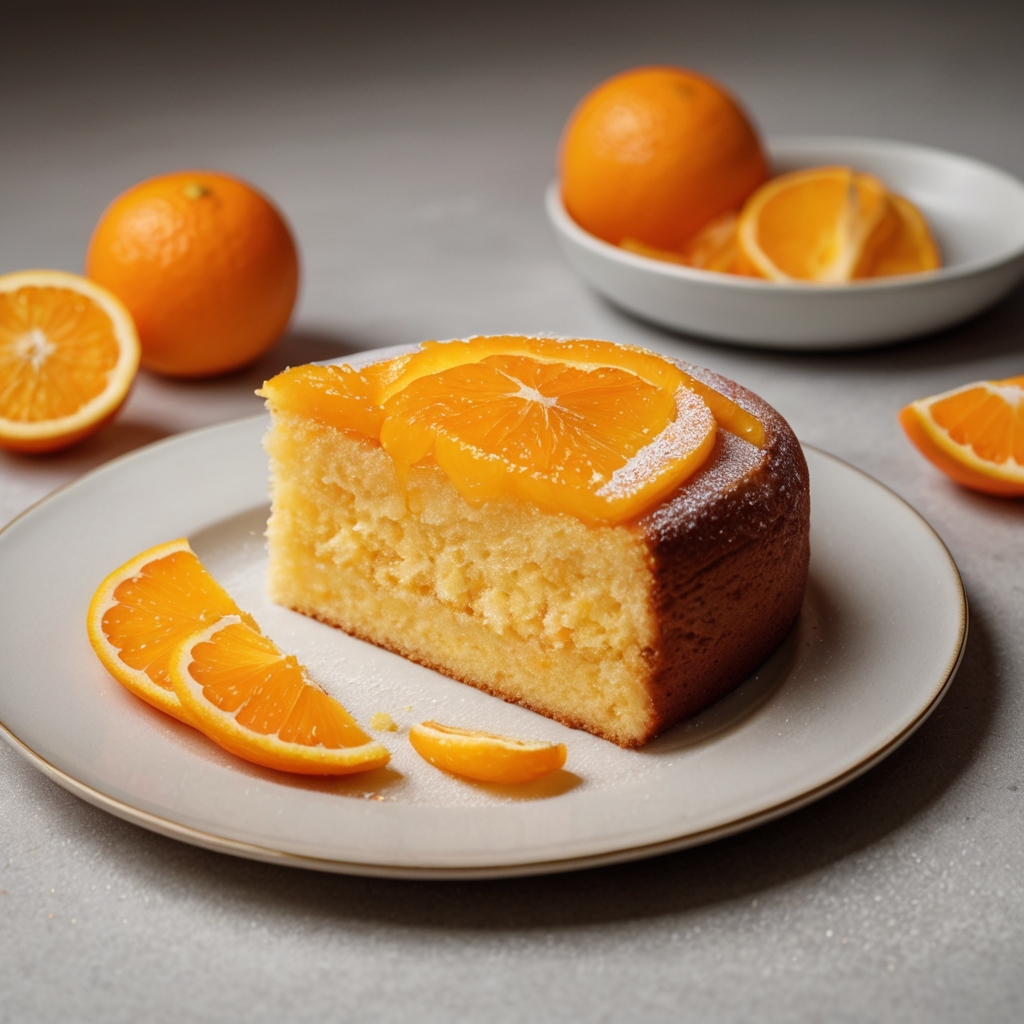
(484, 756)
(593, 429)
(260, 704)
(974, 433)
(598, 443)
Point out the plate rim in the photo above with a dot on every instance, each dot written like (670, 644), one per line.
(268, 854)
(564, 224)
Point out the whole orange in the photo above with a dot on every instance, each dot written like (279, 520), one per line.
(654, 154)
(205, 264)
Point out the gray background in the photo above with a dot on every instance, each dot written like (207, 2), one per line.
(409, 147)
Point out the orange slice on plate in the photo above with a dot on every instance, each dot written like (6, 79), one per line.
(144, 609)
(68, 355)
(260, 704)
(484, 756)
(974, 433)
(812, 225)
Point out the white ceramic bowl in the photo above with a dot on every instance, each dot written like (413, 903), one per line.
(975, 211)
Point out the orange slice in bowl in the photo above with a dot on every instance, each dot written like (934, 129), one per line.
(144, 609)
(812, 225)
(68, 355)
(484, 756)
(260, 704)
(906, 248)
(974, 433)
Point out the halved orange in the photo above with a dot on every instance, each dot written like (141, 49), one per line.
(812, 225)
(974, 433)
(144, 609)
(484, 756)
(68, 355)
(260, 704)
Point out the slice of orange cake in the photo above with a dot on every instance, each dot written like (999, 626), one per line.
(593, 531)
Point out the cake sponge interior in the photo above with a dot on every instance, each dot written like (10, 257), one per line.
(534, 607)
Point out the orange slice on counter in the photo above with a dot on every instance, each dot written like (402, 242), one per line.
(68, 355)
(974, 433)
(812, 225)
(260, 704)
(484, 756)
(144, 609)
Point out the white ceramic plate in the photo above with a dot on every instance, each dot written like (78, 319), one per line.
(976, 213)
(878, 642)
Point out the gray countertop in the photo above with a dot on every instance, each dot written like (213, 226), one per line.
(410, 149)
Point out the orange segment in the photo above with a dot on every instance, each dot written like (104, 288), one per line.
(68, 356)
(484, 756)
(812, 225)
(143, 610)
(261, 706)
(598, 443)
(907, 248)
(974, 433)
(713, 248)
(435, 356)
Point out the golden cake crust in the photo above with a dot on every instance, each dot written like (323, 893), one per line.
(731, 552)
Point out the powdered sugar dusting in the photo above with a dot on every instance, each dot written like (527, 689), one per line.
(685, 434)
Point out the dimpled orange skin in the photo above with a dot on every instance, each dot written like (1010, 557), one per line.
(205, 264)
(654, 154)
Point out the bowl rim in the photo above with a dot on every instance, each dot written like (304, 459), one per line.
(565, 225)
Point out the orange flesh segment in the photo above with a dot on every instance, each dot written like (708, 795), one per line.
(985, 420)
(57, 350)
(593, 429)
(906, 248)
(484, 756)
(164, 602)
(244, 674)
(975, 434)
(812, 225)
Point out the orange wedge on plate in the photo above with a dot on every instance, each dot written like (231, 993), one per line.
(144, 609)
(68, 355)
(812, 225)
(484, 756)
(261, 705)
(974, 433)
